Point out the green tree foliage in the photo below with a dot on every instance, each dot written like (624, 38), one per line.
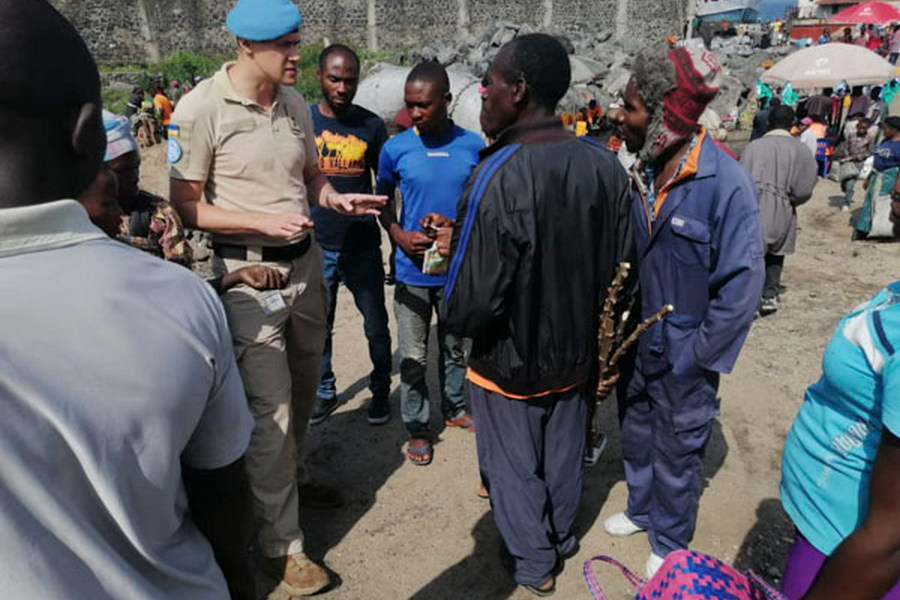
(185, 66)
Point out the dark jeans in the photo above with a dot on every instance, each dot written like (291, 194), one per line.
(363, 274)
(667, 419)
(413, 307)
(774, 264)
(529, 454)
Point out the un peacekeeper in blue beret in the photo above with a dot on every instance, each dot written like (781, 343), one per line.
(263, 20)
(244, 166)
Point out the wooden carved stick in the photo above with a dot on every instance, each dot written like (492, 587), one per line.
(606, 336)
(623, 322)
(643, 327)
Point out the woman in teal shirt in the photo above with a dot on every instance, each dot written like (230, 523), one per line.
(841, 468)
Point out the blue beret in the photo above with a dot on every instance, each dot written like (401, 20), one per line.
(263, 20)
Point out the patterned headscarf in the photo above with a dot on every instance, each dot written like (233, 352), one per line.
(677, 85)
(119, 139)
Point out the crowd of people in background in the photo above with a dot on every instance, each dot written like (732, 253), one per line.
(884, 40)
(170, 435)
(850, 134)
(150, 110)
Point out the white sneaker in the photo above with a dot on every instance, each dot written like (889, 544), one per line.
(619, 525)
(654, 562)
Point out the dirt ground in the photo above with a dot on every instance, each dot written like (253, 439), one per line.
(421, 533)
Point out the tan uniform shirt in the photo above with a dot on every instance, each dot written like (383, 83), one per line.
(252, 160)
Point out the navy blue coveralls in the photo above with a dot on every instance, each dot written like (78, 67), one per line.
(703, 254)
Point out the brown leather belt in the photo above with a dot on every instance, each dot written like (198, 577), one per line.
(269, 253)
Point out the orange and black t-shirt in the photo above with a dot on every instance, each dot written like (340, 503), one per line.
(348, 155)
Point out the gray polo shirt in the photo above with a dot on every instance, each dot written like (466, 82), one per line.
(115, 367)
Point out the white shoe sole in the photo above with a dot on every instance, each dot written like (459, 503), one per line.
(378, 420)
(616, 532)
(592, 455)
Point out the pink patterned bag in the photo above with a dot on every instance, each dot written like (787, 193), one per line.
(688, 575)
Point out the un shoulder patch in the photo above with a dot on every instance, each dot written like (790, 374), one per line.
(174, 151)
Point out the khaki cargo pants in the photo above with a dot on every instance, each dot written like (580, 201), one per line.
(279, 356)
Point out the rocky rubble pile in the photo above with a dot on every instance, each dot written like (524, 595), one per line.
(600, 64)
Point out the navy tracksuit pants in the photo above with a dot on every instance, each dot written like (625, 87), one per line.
(530, 456)
(667, 419)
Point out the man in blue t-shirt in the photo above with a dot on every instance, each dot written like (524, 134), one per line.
(349, 139)
(430, 163)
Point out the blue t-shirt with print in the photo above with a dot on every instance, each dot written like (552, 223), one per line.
(887, 155)
(830, 450)
(432, 173)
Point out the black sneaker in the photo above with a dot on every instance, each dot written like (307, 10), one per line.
(323, 409)
(768, 306)
(592, 452)
(379, 411)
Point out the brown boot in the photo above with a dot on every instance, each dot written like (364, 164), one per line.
(300, 575)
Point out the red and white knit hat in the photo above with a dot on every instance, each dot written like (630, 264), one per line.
(694, 84)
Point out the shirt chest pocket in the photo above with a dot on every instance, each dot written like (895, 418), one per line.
(691, 242)
(290, 146)
(244, 148)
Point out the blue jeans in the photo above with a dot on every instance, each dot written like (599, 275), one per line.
(848, 186)
(363, 274)
(413, 307)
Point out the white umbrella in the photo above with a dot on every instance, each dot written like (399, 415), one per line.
(828, 65)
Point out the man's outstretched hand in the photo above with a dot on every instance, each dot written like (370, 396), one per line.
(356, 204)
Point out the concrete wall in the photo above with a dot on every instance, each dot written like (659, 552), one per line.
(149, 29)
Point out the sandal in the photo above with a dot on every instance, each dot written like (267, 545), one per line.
(540, 590)
(420, 451)
(464, 421)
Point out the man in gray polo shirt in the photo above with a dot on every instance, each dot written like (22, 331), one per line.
(244, 166)
(124, 420)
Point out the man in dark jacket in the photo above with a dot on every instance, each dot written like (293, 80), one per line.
(540, 229)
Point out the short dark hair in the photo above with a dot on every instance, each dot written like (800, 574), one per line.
(433, 72)
(543, 63)
(893, 122)
(29, 70)
(781, 117)
(335, 49)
